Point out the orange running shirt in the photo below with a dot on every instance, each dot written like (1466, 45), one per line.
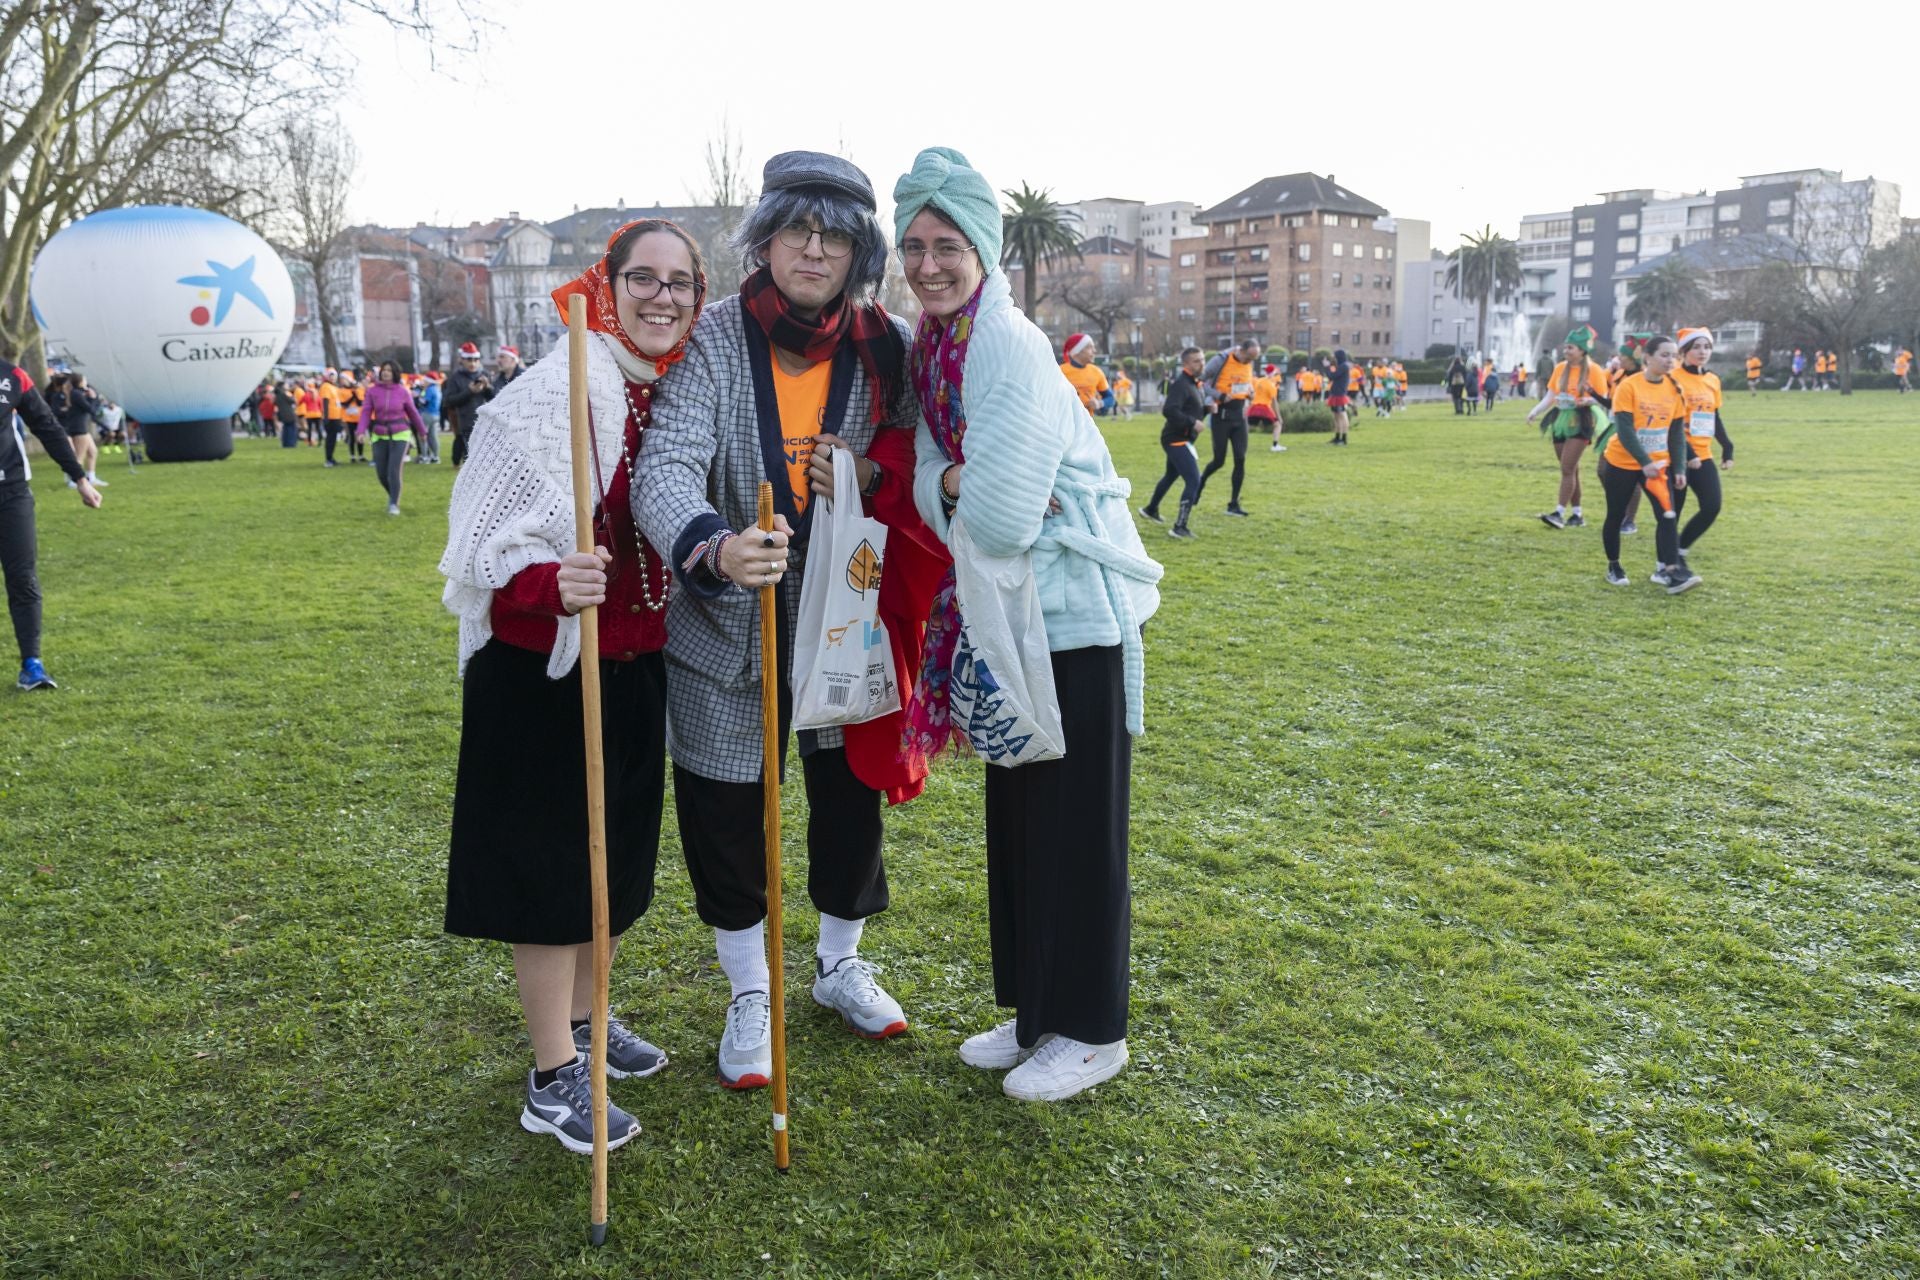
(1654, 406)
(1753, 368)
(1265, 392)
(1701, 391)
(1902, 362)
(803, 415)
(1088, 382)
(1236, 379)
(1583, 390)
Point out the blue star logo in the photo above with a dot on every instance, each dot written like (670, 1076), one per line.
(232, 282)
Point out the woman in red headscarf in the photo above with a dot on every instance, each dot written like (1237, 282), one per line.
(517, 867)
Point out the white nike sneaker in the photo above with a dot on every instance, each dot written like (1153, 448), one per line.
(746, 1047)
(850, 991)
(998, 1049)
(1062, 1068)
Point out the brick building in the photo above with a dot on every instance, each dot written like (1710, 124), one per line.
(1295, 261)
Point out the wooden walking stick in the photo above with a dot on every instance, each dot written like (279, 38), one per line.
(770, 818)
(596, 766)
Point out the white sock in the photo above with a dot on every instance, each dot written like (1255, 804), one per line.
(839, 939)
(743, 957)
(1560, 508)
(1576, 508)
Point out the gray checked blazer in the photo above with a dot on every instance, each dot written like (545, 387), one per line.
(701, 463)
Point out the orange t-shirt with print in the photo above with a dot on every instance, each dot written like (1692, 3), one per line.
(803, 414)
(1701, 391)
(1654, 406)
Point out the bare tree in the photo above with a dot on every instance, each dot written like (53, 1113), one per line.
(729, 186)
(1104, 303)
(111, 102)
(320, 160)
(1829, 278)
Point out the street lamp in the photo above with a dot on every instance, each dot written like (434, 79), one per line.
(1458, 325)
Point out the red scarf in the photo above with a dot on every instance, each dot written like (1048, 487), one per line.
(603, 316)
(875, 341)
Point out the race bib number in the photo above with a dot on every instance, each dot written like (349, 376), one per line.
(1243, 388)
(1563, 400)
(1653, 439)
(1700, 424)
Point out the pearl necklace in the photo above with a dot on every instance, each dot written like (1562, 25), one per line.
(643, 417)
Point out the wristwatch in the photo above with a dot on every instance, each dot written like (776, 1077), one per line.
(872, 486)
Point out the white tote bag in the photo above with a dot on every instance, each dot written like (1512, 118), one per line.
(1002, 696)
(842, 659)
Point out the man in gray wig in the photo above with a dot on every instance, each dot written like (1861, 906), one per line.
(803, 354)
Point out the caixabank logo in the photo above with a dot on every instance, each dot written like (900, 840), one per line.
(222, 286)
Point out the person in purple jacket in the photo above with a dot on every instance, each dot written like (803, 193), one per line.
(390, 417)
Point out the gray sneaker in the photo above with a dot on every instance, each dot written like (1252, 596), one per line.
(565, 1110)
(628, 1056)
(850, 991)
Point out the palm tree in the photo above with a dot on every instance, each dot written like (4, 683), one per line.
(1659, 299)
(1036, 233)
(1486, 267)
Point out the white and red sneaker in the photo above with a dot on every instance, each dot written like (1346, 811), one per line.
(1063, 1067)
(850, 991)
(746, 1047)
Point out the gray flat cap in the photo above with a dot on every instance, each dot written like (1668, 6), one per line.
(791, 170)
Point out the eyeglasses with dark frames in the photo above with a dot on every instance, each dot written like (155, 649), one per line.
(835, 244)
(644, 286)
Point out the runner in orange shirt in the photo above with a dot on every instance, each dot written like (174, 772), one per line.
(1080, 370)
(1649, 419)
(1266, 405)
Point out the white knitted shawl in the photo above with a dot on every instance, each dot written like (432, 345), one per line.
(512, 502)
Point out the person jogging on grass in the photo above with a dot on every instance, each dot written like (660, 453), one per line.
(1649, 430)
(389, 416)
(1227, 381)
(1901, 364)
(1754, 366)
(1576, 385)
(1182, 411)
(19, 549)
(1701, 390)
(1265, 408)
(1342, 378)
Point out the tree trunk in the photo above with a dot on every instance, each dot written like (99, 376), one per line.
(1480, 339)
(1028, 284)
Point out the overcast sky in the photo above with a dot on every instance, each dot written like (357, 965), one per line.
(1461, 115)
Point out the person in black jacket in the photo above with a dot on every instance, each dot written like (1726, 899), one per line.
(75, 405)
(18, 547)
(466, 390)
(1184, 408)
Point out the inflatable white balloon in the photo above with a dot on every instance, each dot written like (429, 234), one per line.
(175, 313)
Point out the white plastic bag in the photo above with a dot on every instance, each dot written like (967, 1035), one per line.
(842, 659)
(1002, 696)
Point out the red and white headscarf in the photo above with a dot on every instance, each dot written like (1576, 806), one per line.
(603, 314)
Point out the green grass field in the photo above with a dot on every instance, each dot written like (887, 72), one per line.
(1489, 921)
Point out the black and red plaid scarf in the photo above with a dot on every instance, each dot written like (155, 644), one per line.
(874, 339)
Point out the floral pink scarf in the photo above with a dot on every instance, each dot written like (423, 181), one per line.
(939, 360)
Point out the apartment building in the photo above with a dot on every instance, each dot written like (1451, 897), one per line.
(1295, 260)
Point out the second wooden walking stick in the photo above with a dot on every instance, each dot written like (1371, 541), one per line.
(770, 791)
(596, 764)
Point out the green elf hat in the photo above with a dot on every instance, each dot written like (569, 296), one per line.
(1584, 337)
(1633, 347)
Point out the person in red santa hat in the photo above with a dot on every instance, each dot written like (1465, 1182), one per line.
(466, 390)
(1077, 363)
(506, 367)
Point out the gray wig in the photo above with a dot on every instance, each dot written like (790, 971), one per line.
(832, 211)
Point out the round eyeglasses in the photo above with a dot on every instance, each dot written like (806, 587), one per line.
(644, 286)
(835, 244)
(946, 255)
